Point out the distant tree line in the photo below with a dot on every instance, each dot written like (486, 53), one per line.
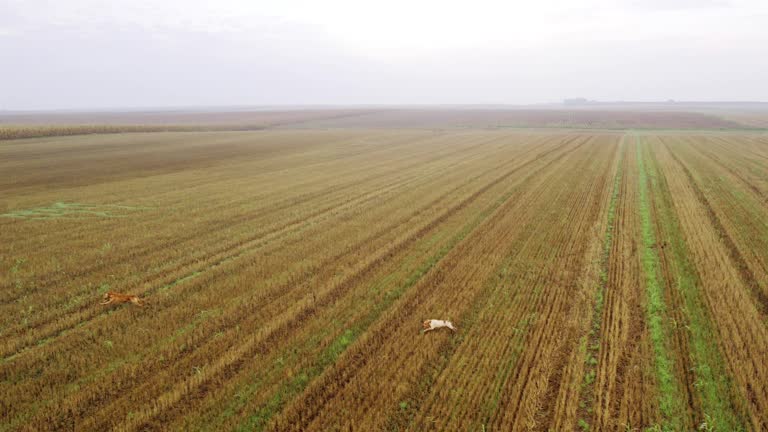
(17, 132)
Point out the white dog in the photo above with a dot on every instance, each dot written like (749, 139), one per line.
(432, 324)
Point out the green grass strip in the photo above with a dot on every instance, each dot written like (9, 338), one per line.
(712, 382)
(63, 210)
(670, 402)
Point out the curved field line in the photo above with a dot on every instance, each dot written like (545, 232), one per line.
(739, 324)
(230, 362)
(231, 365)
(440, 409)
(528, 396)
(259, 417)
(539, 155)
(499, 320)
(747, 276)
(374, 338)
(243, 247)
(45, 283)
(282, 291)
(282, 205)
(762, 196)
(279, 292)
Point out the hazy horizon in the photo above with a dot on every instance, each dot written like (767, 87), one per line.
(89, 55)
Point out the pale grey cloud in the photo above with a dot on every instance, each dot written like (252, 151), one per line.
(682, 4)
(89, 53)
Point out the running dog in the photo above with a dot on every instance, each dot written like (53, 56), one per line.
(432, 324)
(117, 298)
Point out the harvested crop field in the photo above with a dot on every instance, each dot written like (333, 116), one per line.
(602, 280)
(15, 125)
(526, 118)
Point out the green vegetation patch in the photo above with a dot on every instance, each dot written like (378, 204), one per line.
(65, 210)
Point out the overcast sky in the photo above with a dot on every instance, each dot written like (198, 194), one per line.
(81, 54)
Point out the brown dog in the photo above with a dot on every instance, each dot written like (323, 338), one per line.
(117, 298)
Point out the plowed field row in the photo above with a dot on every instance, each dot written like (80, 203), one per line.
(176, 270)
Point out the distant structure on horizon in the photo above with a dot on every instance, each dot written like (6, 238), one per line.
(577, 101)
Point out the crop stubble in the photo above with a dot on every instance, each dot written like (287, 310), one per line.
(286, 274)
